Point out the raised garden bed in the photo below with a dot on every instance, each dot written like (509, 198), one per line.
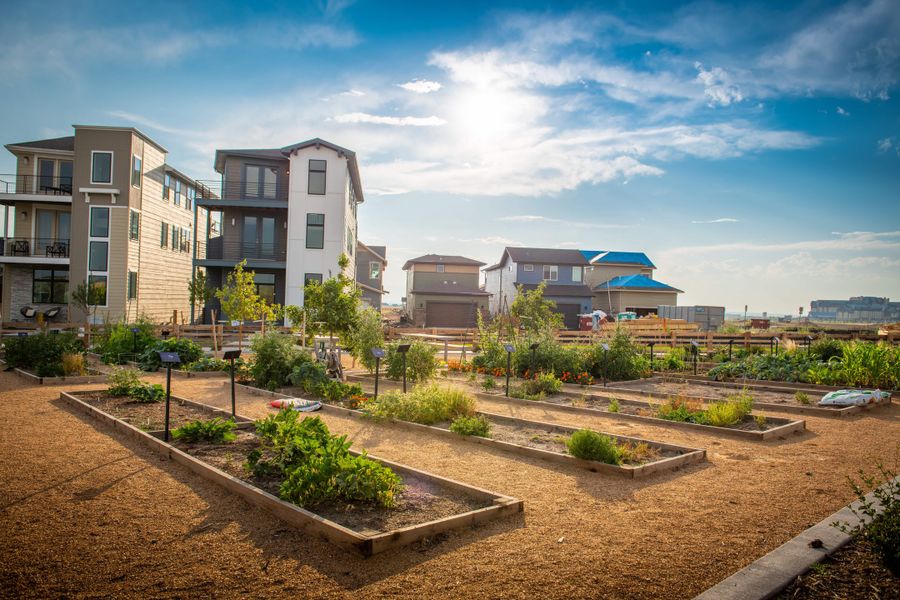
(763, 397)
(429, 505)
(762, 384)
(93, 376)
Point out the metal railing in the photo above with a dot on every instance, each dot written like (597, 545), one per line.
(34, 246)
(220, 249)
(235, 189)
(36, 184)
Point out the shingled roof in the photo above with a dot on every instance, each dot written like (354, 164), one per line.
(445, 259)
(65, 144)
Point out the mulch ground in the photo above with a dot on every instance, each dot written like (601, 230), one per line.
(852, 572)
(84, 513)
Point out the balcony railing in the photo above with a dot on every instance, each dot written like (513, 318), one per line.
(229, 189)
(36, 184)
(219, 249)
(34, 247)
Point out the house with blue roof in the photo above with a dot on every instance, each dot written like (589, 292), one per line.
(623, 282)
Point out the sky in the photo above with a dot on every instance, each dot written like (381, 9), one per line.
(751, 150)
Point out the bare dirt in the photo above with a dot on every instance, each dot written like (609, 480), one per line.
(693, 390)
(148, 416)
(86, 513)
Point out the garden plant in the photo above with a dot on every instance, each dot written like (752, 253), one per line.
(42, 352)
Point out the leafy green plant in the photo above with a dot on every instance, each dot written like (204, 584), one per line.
(680, 410)
(488, 383)
(188, 351)
(673, 360)
(42, 352)
(275, 356)
(760, 421)
(120, 343)
(206, 364)
(214, 430)
(426, 404)
(613, 405)
(73, 364)
(543, 384)
(729, 412)
(826, 348)
(623, 361)
(122, 381)
(477, 425)
(421, 362)
(239, 299)
(367, 333)
(148, 392)
(308, 375)
(802, 397)
(590, 445)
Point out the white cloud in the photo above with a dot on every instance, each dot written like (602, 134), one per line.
(353, 93)
(840, 110)
(885, 145)
(149, 123)
(722, 220)
(357, 117)
(717, 86)
(578, 224)
(855, 241)
(420, 86)
(494, 240)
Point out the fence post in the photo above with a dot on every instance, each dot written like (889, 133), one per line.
(747, 340)
(446, 351)
(674, 340)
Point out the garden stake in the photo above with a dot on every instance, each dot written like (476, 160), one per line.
(168, 359)
(509, 350)
(730, 344)
(378, 353)
(651, 356)
(230, 355)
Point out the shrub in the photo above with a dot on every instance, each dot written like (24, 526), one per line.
(802, 397)
(334, 391)
(623, 360)
(122, 381)
(613, 405)
(730, 412)
(276, 355)
(488, 384)
(680, 410)
(543, 384)
(476, 425)
(550, 357)
(590, 445)
(148, 392)
(367, 333)
(187, 350)
(420, 361)
(424, 404)
(826, 348)
(73, 364)
(760, 421)
(120, 342)
(43, 352)
(214, 430)
(208, 364)
(673, 360)
(308, 375)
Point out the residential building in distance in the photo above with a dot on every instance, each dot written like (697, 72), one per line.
(562, 272)
(371, 262)
(101, 206)
(290, 212)
(858, 309)
(623, 282)
(443, 291)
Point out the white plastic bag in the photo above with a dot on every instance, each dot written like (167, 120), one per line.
(852, 397)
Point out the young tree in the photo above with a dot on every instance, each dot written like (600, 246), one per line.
(239, 298)
(536, 314)
(367, 334)
(332, 306)
(199, 291)
(86, 297)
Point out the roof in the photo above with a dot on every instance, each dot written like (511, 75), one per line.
(379, 252)
(133, 130)
(552, 256)
(560, 289)
(450, 289)
(267, 153)
(60, 144)
(636, 282)
(617, 258)
(370, 288)
(179, 174)
(445, 259)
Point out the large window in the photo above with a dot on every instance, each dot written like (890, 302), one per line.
(134, 225)
(97, 284)
(163, 235)
(374, 270)
(99, 221)
(132, 285)
(167, 183)
(439, 268)
(265, 286)
(528, 268)
(99, 256)
(98, 252)
(551, 273)
(317, 176)
(101, 167)
(350, 244)
(315, 230)
(136, 172)
(177, 192)
(49, 286)
(312, 278)
(577, 273)
(260, 181)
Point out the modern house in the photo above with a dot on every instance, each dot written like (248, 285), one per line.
(443, 291)
(102, 207)
(623, 282)
(290, 212)
(562, 271)
(370, 266)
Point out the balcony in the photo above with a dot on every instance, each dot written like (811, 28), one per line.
(29, 250)
(224, 193)
(218, 252)
(36, 188)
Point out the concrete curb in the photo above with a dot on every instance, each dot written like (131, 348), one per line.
(769, 575)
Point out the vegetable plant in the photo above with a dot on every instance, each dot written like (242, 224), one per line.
(214, 430)
(477, 425)
(590, 445)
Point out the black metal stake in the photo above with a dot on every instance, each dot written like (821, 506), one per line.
(508, 369)
(168, 397)
(730, 346)
(233, 409)
(377, 368)
(651, 355)
(404, 372)
(696, 352)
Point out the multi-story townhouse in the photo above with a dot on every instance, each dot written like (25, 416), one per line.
(289, 212)
(443, 291)
(102, 207)
(623, 282)
(370, 266)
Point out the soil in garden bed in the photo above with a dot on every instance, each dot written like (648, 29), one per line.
(420, 502)
(694, 390)
(147, 416)
(852, 572)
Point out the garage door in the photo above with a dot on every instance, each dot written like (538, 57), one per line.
(570, 314)
(449, 314)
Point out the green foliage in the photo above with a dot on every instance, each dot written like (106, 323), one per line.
(421, 362)
(42, 352)
(316, 466)
(308, 375)
(368, 333)
(148, 392)
(623, 361)
(680, 410)
(199, 291)
(188, 351)
(613, 405)
(73, 364)
(209, 363)
(119, 344)
(535, 314)
(730, 327)
(543, 384)
(826, 348)
(729, 412)
(802, 397)
(276, 355)
(673, 360)
(590, 445)
(426, 404)
(238, 296)
(332, 306)
(122, 381)
(881, 531)
(477, 425)
(214, 430)
(488, 383)
(550, 357)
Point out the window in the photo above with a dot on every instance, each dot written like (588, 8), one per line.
(551, 273)
(98, 256)
(136, 172)
(167, 183)
(350, 243)
(46, 168)
(163, 235)
(191, 194)
(374, 270)
(265, 286)
(177, 192)
(312, 278)
(98, 282)
(49, 286)
(134, 225)
(439, 268)
(65, 175)
(132, 285)
(260, 181)
(315, 230)
(528, 268)
(174, 229)
(577, 274)
(101, 167)
(317, 176)
(99, 221)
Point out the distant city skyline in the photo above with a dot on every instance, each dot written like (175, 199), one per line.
(752, 151)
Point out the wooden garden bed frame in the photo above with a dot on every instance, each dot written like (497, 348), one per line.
(76, 380)
(344, 537)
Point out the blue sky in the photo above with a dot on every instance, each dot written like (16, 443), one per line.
(752, 151)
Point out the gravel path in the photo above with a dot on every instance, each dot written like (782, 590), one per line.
(84, 513)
